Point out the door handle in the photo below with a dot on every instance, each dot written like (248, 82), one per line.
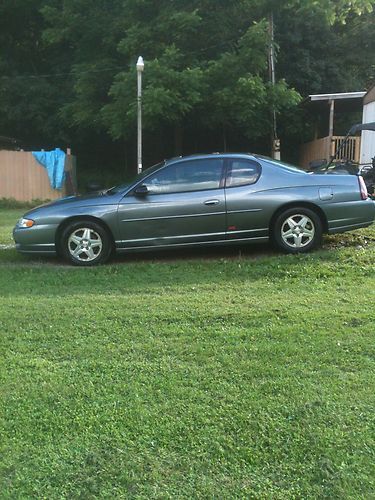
(212, 202)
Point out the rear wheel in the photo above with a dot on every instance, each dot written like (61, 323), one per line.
(86, 243)
(297, 230)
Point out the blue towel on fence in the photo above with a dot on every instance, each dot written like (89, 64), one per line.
(54, 161)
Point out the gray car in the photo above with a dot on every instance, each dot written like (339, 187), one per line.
(199, 200)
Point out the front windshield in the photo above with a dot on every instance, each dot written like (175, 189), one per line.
(138, 177)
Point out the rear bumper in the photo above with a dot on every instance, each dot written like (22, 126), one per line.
(350, 227)
(358, 214)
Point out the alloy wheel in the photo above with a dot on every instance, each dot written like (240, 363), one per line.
(85, 244)
(298, 231)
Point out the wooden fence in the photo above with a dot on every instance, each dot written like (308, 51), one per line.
(320, 149)
(24, 179)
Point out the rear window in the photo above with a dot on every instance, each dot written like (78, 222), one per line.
(284, 166)
(242, 173)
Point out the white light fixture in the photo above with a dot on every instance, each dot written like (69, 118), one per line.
(140, 64)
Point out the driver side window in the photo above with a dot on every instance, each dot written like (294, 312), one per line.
(187, 176)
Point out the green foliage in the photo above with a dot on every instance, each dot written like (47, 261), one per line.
(11, 203)
(28, 106)
(67, 69)
(170, 92)
(181, 82)
(348, 62)
(331, 11)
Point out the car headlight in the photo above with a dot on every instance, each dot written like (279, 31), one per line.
(25, 222)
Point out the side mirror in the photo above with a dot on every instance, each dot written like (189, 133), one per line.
(141, 190)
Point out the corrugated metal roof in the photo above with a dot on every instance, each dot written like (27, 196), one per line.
(334, 97)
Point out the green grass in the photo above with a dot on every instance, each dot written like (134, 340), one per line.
(209, 374)
(8, 219)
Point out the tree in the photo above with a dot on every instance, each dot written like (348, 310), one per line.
(67, 69)
(190, 77)
(29, 102)
(326, 57)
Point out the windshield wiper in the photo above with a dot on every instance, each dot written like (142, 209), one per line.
(107, 191)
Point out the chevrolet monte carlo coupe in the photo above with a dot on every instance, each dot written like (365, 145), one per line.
(216, 199)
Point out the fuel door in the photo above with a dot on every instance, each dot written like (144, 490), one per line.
(325, 193)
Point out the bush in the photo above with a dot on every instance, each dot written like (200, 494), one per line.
(12, 203)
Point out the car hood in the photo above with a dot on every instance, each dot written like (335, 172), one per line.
(96, 198)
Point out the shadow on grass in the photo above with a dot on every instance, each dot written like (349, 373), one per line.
(157, 272)
(9, 257)
(251, 251)
(342, 255)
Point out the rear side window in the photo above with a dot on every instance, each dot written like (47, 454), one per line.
(242, 172)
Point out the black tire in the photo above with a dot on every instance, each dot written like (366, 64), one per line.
(305, 235)
(85, 243)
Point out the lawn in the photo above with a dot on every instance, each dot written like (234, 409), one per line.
(216, 374)
(8, 218)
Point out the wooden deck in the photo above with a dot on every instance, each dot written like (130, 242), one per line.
(326, 147)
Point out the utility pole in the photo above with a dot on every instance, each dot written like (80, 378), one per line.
(140, 68)
(275, 141)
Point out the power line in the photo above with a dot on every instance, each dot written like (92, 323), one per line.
(53, 75)
(104, 70)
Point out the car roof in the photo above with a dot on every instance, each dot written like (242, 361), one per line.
(202, 156)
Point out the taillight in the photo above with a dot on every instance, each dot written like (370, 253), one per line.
(362, 188)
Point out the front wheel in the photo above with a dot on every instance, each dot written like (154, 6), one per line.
(86, 243)
(297, 230)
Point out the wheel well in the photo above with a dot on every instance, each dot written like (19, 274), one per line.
(304, 204)
(68, 221)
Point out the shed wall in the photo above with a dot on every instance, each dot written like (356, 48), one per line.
(368, 137)
(370, 96)
(24, 179)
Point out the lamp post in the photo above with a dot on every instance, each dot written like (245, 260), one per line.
(140, 68)
(275, 141)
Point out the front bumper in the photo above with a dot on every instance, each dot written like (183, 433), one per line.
(39, 239)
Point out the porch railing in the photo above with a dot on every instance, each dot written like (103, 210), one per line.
(326, 147)
(351, 149)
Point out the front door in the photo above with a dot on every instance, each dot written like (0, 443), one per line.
(184, 204)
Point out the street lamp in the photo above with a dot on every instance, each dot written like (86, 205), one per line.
(140, 68)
